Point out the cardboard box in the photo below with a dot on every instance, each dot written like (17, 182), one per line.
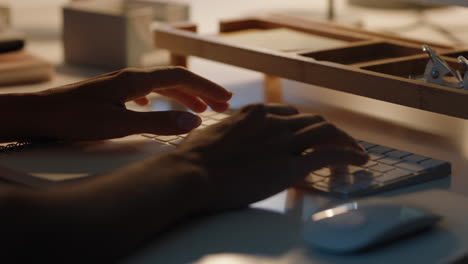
(116, 33)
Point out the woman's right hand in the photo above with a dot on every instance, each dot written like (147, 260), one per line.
(259, 151)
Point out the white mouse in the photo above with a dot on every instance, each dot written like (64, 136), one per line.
(356, 226)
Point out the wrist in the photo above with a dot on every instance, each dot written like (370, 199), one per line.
(192, 180)
(19, 115)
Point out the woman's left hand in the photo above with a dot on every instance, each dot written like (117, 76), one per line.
(95, 109)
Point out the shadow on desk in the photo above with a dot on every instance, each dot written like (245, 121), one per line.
(260, 236)
(253, 232)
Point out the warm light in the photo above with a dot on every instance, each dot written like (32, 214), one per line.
(335, 211)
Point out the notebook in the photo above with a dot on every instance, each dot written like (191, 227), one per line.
(44, 165)
(282, 39)
(20, 67)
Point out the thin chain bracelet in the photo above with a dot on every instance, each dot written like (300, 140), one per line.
(14, 147)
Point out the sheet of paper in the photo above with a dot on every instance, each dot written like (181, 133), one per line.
(42, 166)
(282, 39)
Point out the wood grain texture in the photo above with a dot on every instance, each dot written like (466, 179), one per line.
(177, 59)
(272, 89)
(354, 31)
(345, 78)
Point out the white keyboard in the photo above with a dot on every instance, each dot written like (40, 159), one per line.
(388, 168)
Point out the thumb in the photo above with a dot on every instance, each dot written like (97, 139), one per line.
(162, 122)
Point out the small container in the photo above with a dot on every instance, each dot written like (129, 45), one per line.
(116, 33)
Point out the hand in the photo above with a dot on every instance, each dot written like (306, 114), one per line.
(260, 150)
(95, 108)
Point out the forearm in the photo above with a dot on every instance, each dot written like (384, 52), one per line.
(107, 216)
(19, 113)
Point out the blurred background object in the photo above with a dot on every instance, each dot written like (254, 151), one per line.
(17, 66)
(41, 21)
(427, 20)
(5, 16)
(441, 2)
(116, 33)
(387, 4)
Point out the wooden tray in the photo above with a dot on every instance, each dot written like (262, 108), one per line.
(342, 58)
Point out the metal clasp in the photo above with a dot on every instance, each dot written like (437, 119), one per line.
(437, 71)
(464, 61)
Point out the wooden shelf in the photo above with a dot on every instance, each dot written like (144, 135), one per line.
(370, 65)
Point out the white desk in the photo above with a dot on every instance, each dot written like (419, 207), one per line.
(258, 235)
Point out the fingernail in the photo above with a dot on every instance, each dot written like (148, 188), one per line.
(188, 121)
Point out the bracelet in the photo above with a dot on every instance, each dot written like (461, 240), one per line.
(14, 147)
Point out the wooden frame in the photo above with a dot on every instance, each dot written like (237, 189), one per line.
(371, 64)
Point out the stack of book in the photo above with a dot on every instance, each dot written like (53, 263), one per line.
(17, 66)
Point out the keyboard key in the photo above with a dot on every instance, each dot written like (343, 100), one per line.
(366, 174)
(369, 164)
(382, 168)
(348, 189)
(367, 183)
(374, 156)
(177, 141)
(432, 163)
(398, 154)
(352, 169)
(366, 178)
(148, 135)
(390, 161)
(411, 166)
(205, 118)
(322, 184)
(202, 126)
(393, 175)
(380, 149)
(312, 178)
(415, 158)
(207, 113)
(165, 138)
(322, 188)
(367, 145)
(324, 172)
(334, 181)
(210, 122)
(219, 116)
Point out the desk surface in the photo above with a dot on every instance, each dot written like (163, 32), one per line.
(422, 132)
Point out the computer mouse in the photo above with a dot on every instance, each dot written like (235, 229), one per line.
(356, 226)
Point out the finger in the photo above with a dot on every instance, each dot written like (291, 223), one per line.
(193, 102)
(134, 83)
(190, 101)
(256, 115)
(217, 106)
(160, 123)
(322, 134)
(329, 157)
(281, 109)
(276, 109)
(142, 101)
(295, 122)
